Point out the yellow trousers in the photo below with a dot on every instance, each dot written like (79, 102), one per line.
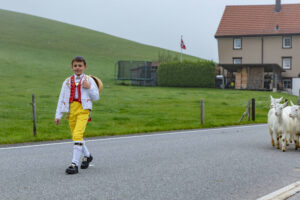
(78, 119)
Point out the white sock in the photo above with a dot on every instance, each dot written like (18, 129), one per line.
(85, 150)
(77, 149)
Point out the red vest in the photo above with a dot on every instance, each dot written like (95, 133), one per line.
(73, 87)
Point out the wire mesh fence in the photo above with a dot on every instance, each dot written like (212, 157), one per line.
(137, 72)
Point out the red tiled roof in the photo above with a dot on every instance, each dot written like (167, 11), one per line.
(259, 20)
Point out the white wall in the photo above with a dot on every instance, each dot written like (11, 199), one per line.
(296, 86)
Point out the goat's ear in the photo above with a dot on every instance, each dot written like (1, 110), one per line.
(280, 99)
(271, 97)
(292, 103)
(285, 104)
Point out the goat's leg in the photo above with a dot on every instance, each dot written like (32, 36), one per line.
(277, 142)
(290, 141)
(296, 144)
(284, 140)
(272, 139)
(295, 141)
(291, 138)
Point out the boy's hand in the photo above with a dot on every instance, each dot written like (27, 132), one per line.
(86, 84)
(57, 121)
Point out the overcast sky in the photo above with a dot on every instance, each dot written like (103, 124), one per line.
(154, 22)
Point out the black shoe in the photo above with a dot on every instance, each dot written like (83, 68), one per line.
(86, 161)
(72, 169)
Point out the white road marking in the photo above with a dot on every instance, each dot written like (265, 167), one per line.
(135, 136)
(283, 193)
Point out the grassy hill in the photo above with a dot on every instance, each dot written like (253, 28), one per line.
(35, 55)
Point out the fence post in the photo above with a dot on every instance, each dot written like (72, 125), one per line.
(253, 109)
(202, 111)
(34, 115)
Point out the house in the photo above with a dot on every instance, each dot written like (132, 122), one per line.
(259, 46)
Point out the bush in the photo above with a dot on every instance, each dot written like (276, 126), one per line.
(187, 74)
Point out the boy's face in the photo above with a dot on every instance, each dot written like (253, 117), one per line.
(78, 68)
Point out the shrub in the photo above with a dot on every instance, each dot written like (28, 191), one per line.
(187, 74)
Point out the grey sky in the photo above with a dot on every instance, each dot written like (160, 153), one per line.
(153, 22)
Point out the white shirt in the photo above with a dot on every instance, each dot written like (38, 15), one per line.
(77, 80)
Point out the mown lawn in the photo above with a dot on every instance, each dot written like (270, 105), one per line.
(128, 109)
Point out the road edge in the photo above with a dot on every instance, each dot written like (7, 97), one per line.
(283, 193)
(116, 137)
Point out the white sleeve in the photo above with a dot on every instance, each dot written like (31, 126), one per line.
(93, 91)
(59, 114)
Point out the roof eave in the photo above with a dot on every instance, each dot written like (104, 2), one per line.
(254, 35)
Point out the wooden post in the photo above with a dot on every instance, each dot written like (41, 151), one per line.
(202, 111)
(248, 110)
(34, 115)
(253, 109)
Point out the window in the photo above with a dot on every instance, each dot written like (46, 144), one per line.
(287, 42)
(237, 60)
(287, 83)
(237, 43)
(287, 62)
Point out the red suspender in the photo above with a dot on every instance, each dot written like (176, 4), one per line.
(73, 86)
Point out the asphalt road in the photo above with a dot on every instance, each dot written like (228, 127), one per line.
(224, 163)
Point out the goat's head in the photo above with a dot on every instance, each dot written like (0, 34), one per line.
(295, 111)
(279, 108)
(274, 101)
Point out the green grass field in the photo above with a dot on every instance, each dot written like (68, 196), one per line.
(35, 55)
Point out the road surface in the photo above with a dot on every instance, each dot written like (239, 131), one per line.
(210, 164)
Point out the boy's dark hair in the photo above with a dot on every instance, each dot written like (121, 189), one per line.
(79, 59)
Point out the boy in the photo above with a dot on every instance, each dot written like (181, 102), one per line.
(76, 96)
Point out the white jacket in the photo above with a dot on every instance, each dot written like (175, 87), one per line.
(87, 96)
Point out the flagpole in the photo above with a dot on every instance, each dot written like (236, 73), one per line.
(181, 50)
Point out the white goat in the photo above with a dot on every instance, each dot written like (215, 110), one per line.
(289, 125)
(295, 115)
(271, 116)
(275, 123)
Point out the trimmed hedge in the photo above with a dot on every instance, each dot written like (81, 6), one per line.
(187, 74)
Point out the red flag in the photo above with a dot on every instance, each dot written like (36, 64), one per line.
(182, 45)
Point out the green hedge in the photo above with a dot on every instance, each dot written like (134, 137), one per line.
(187, 74)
